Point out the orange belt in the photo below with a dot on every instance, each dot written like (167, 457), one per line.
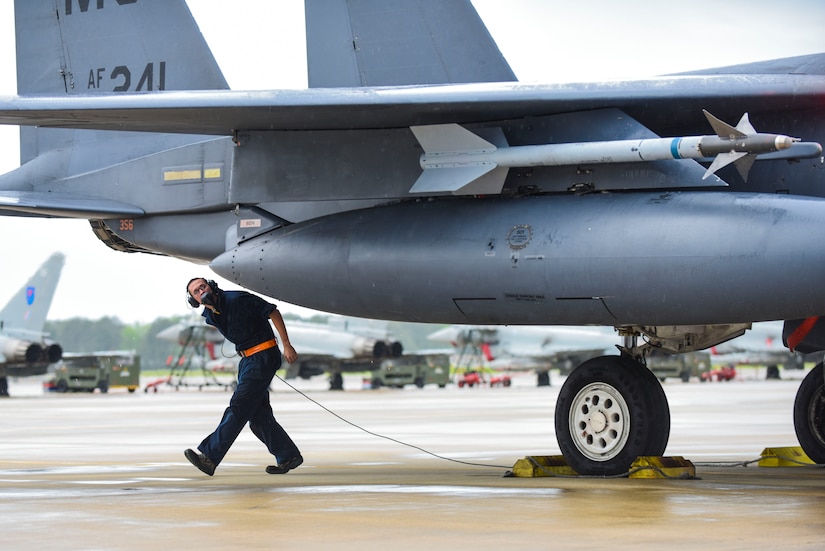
(259, 347)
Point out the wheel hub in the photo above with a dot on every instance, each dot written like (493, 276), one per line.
(599, 421)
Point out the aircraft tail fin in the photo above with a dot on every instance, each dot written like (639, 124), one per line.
(398, 42)
(26, 311)
(83, 47)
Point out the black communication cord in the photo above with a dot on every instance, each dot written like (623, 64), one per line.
(391, 439)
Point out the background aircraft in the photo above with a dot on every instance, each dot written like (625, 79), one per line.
(525, 348)
(762, 345)
(543, 348)
(336, 347)
(24, 348)
(416, 181)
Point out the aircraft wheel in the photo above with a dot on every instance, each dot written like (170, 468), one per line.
(610, 411)
(809, 414)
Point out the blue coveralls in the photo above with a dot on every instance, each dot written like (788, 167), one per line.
(244, 320)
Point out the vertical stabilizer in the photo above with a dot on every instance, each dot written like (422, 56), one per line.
(106, 46)
(354, 43)
(26, 311)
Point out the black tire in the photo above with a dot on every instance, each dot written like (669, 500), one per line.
(336, 381)
(543, 378)
(610, 411)
(419, 382)
(809, 414)
(61, 386)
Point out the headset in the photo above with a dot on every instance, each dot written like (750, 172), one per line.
(192, 300)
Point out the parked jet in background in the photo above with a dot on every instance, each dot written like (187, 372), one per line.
(322, 348)
(526, 348)
(761, 345)
(24, 348)
(416, 181)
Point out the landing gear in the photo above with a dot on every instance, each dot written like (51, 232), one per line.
(336, 381)
(610, 411)
(543, 378)
(809, 414)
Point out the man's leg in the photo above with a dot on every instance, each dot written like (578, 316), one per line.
(253, 386)
(271, 433)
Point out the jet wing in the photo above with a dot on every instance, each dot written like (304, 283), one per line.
(65, 205)
(223, 112)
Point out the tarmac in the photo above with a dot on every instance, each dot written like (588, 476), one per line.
(95, 471)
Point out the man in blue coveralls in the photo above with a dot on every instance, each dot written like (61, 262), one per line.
(243, 319)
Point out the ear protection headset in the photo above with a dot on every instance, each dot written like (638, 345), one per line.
(191, 300)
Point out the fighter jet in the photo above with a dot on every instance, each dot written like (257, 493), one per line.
(417, 180)
(761, 345)
(24, 349)
(336, 347)
(526, 348)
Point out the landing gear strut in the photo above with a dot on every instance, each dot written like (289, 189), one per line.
(610, 411)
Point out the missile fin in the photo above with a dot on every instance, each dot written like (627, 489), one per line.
(745, 125)
(722, 160)
(723, 129)
(488, 184)
(482, 178)
(449, 138)
(744, 165)
(488, 179)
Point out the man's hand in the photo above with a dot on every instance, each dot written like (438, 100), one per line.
(290, 355)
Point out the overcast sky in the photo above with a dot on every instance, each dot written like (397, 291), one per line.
(542, 40)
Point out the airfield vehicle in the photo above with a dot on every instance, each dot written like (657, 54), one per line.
(724, 373)
(98, 370)
(418, 370)
(474, 378)
(682, 366)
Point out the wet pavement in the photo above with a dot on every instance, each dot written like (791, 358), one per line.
(91, 471)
